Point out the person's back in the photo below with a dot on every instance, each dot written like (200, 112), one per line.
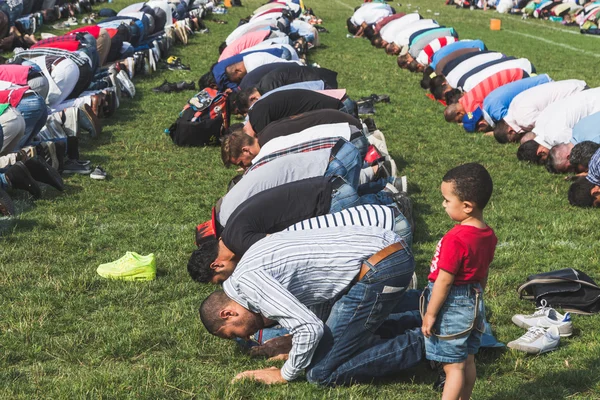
(287, 103)
(293, 73)
(252, 78)
(298, 123)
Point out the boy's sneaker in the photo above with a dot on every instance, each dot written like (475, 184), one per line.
(73, 167)
(130, 267)
(537, 340)
(126, 85)
(98, 173)
(545, 317)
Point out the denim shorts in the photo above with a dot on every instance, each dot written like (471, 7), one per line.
(459, 319)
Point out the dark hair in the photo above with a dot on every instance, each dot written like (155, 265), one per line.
(351, 27)
(426, 80)
(501, 132)
(199, 263)
(369, 32)
(472, 182)
(413, 66)
(437, 87)
(403, 60)
(376, 40)
(234, 181)
(528, 152)
(232, 144)
(235, 128)
(222, 47)
(209, 311)
(453, 96)
(207, 80)
(582, 153)
(580, 193)
(243, 99)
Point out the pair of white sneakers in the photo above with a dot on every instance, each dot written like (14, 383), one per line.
(545, 328)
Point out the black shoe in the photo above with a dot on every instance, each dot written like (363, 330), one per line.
(366, 107)
(380, 98)
(166, 87)
(178, 67)
(438, 385)
(384, 169)
(404, 204)
(370, 124)
(19, 178)
(183, 85)
(42, 172)
(61, 150)
(6, 204)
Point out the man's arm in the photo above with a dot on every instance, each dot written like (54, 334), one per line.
(277, 303)
(440, 291)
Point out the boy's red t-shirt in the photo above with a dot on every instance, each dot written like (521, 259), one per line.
(466, 252)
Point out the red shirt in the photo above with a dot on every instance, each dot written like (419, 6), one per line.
(474, 98)
(466, 252)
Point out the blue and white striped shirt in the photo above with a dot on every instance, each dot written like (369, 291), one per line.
(283, 274)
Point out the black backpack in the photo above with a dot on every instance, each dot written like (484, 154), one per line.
(202, 120)
(569, 289)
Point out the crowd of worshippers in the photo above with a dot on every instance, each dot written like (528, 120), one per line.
(312, 242)
(60, 87)
(581, 13)
(555, 123)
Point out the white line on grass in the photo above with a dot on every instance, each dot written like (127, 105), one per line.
(565, 46)
(573, 32)
(344, 4)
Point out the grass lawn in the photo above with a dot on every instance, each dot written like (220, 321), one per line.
(67, 333)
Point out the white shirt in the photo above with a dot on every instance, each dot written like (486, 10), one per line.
(485, 73)
(269, 45)
(255, 60)
(370, 13)
(468, 65)
(264, 17)
(402, 37)
(389, 30)
(249, 27)
(289, 168)
(555, 124)
(525, 108)
(341, 130)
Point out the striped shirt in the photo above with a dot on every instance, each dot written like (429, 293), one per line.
(474, 98)
(364, 215)
(503, 65)
(313, 145)
(78, 58)
(460, 67)
(287, 272)
(425, 56)
(594, 169)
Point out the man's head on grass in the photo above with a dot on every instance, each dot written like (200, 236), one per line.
(392, 49)
(454, 113)
(505, 134)
(559, 159)
(212, 262)
(581, 154)
(246, 98)
(236, 71)
(226, 319)
(466, 190)
(239, 149)
(533, 152)
(584, 193)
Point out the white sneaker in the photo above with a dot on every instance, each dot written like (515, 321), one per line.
(126, 85)
(545, 317)
(537, 340)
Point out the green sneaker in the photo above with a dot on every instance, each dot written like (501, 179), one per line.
(130, 267)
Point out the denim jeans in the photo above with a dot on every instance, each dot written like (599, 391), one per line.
(350, 350)
(346, 163)
(35, 113)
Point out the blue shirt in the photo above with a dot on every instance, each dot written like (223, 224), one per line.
(452, 47)
(587, 128)
(495, 105)
(223, 83)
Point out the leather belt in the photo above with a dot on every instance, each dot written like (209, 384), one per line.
(377, 258)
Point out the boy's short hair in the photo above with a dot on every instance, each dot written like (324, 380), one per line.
(222, 47)
(453, 96)
(582, 153)
(501, 132)
(232, 145)
(351, 27)
(472, 182)
(528, 152)
(580, 193)
(426, 80)
(199, 264)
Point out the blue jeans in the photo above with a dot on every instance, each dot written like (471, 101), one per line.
(347, 164)
(350, 350)
(34, 111)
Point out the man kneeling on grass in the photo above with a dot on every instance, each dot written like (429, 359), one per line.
(367, 269)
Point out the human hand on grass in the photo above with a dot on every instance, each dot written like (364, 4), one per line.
(274, 349)
(427, 327)
(269, 376)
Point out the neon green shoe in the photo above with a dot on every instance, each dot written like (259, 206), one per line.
(130, 267)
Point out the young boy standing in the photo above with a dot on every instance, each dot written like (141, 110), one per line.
(454, 311)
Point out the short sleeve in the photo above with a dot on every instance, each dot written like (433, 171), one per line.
(452, 254)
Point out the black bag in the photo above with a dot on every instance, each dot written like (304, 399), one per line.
(202, 120)
(569, 289)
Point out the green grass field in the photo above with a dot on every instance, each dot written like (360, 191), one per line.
(67, 333)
